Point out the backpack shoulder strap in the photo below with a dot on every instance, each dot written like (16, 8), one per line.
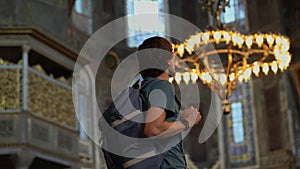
(147, 82)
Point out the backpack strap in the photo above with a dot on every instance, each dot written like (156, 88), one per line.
(138, 159)
(146, 82)
(134, 113)
(125, 118)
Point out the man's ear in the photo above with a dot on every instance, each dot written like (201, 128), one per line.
(169, 61)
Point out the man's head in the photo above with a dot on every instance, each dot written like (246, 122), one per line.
(155, 57)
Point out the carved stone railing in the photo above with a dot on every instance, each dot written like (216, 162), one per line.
(10, 87)
(48, 97)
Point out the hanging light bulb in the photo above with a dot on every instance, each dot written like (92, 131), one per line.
(194, 76)
(206, 77)
(241, 77)
(197, 40)
(223, 79)
(180, 50)
(202, 77)
(171, 79)
(234, 39)
(265, 68)
(186, 77)
(209, 79)
(249, 42)
(247, 73)
(285, 45)
(226, 37)
(256, 69)
(270, 40)
(259, 40)
(281, 66)
(205, 37)
(190, 46)
(287, 59)
(217, 36)
(274, 67)
(240, 41)
(277, 52)
(278, 40)
(178, 78)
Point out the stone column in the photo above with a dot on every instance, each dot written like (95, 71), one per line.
(24, 159)
(26, 49)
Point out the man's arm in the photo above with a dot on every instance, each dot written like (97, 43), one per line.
(156, 123)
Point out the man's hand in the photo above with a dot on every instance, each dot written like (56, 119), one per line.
(192, 115)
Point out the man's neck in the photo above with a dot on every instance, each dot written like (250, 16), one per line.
(164, 76)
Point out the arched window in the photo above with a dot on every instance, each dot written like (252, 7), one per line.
(83, 7)
(79, 6)
(139, 29)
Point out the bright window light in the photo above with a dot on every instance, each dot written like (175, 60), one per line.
(141, 28)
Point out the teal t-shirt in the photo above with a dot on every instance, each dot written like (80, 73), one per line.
(160, 93)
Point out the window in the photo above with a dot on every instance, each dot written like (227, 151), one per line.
(79, 6)
(139, 29)
(83, 7)
(234, 12)
(240, 135)
(82, 19)
(237, 122)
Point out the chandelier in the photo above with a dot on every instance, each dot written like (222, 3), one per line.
(222, 58)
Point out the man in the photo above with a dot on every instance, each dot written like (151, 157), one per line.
(163, 117)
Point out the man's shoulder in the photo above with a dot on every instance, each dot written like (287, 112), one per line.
(160, 84)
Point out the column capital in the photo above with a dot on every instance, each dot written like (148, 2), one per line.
(26, 48)
(23, 159)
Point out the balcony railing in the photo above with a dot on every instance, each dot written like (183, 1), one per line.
(47, 97)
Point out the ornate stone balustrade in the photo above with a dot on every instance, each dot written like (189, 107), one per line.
(48, 97)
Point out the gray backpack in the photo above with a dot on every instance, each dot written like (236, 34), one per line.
(123, 117)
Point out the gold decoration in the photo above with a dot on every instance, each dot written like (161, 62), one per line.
(44, 97)
(221, 58)
(50, 100)
(10, 87)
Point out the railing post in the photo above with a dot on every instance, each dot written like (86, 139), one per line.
(26, 49)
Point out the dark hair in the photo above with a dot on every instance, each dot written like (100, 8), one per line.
(154, 62)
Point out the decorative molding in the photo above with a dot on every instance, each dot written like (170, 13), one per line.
(40, 132)
(7, 128)
(65, 141)
(280, 159)
(42, 37)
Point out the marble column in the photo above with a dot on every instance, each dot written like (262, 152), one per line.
(26, 49)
